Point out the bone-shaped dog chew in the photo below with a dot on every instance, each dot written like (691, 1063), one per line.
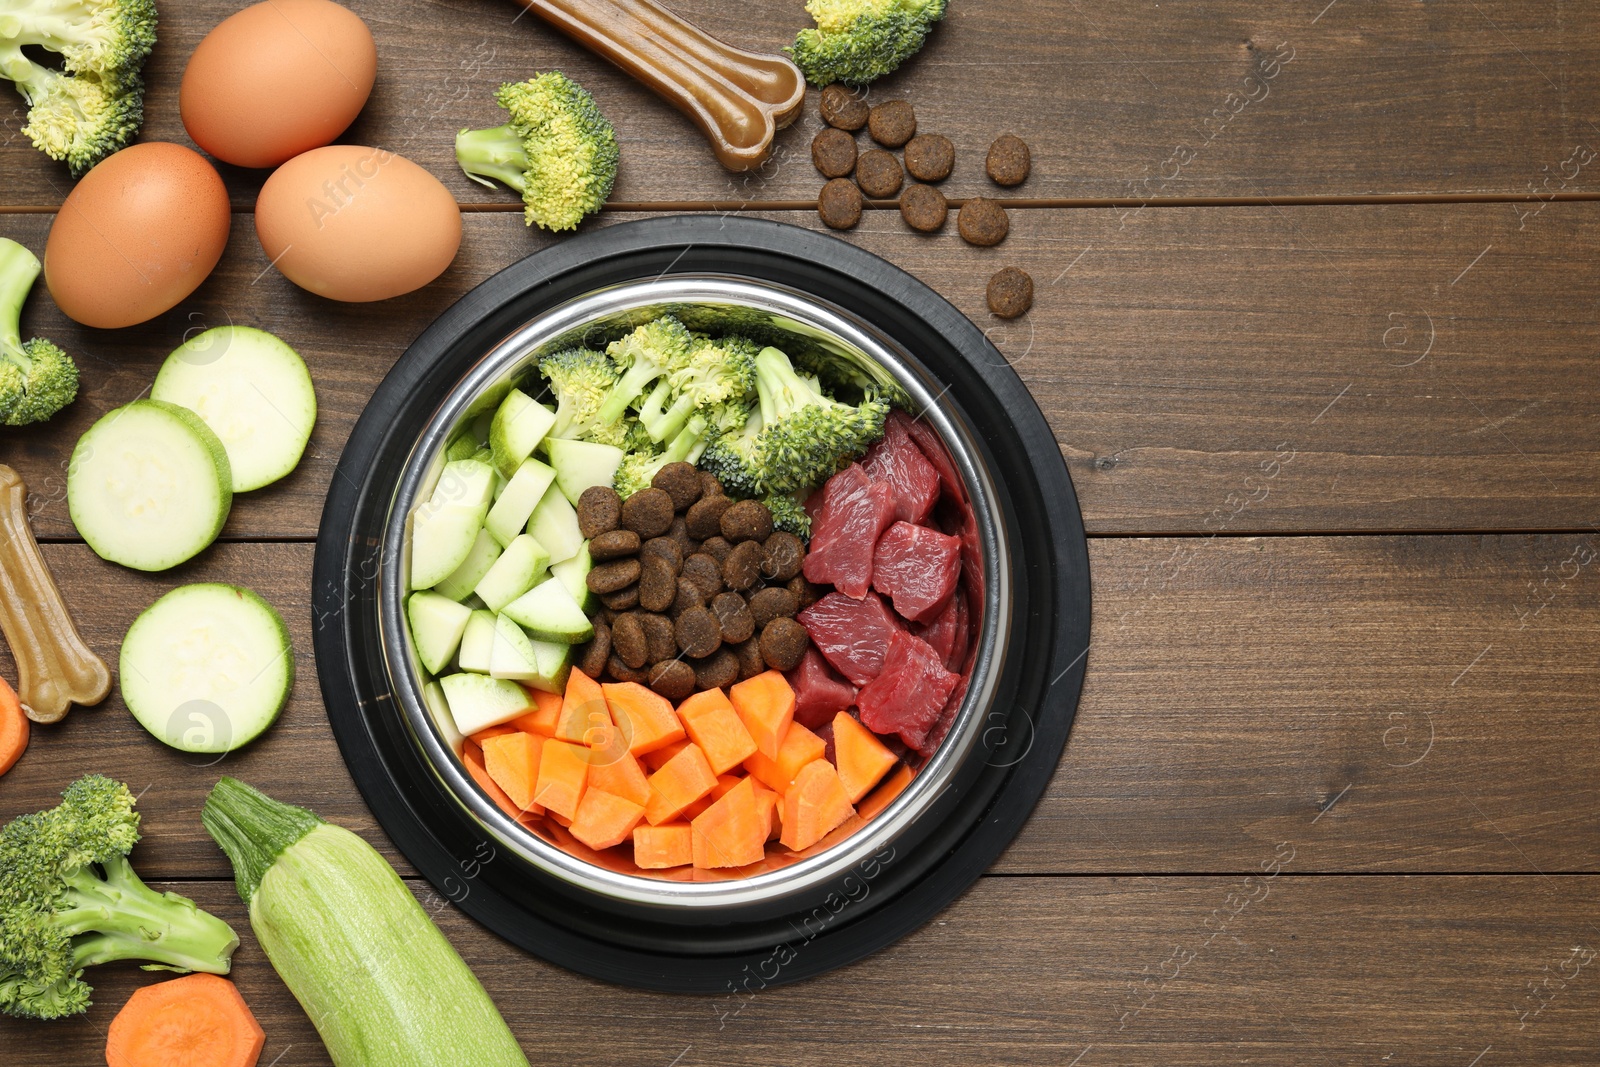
(739, 99)
(55, 669)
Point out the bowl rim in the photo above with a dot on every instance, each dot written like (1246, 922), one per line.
(503, 363)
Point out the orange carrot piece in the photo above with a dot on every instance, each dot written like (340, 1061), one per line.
(492, 731)
(605, 819)
(813, 805)
(13, 727)
(618, 773)
(512, 760)
(765, 704)
(199, 1018)
(583, 708)
(732, 832)
(890, 788)
(658, 759)
(645, 716)
(472, 758)
(800, 747)
(681, 781)
(544, 716)
(656, 848)
(563, 774)
(725, 782)
(768, 803)
(713, 725)
(862, 759)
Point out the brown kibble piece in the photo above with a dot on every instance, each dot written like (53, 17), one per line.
(704, 517)
(839, 204)
(605, 615)
(983, 222)
(688, 596)
(590, 657)
(742, 569)
(624, 673)
(629, 642)
(680, 481)
(667, 549)
(782, 556)
(924, 208)
(783, 644)
(613, 544)
(748, 520)
(625, 599)
(1009, 160)
(673, 679)
(716, 547)
(1010, 292)
(717, 671)
(833, 152)
(698, 632)
(879, 174)
(711, 485)
(842, 108)
(648, 513)
(892, 123)
(657, 583)
(930, 157)
(613, 575)
(750, 661)
(733, 615)
(599, 510)
(804, 592)
(679, 532)
(705, 572)
(659, 637)
(774, 602)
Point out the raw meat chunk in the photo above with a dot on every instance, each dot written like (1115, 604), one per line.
(947, 633)
(909, 693)
(854, 513)
(898, 462)
(917, 568)
(819, 692)
(853, 635)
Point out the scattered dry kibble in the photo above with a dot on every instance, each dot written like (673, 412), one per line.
(892, 123)
(833, 152)
(1010, 292)
(1009, 160)
(843, 108)
(982, 222)
(930, 157)
(924, 208)
(879, 174)
(839, 204)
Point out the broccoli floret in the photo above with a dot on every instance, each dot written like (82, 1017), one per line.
(735, 457)
(558, 150)
(659, 347)
(640, 466)
(109, 39)
(580, 380)
(859, 41)
(717, 373)
(37, 379)
(788, 514)
(70, 900)
(806, 436)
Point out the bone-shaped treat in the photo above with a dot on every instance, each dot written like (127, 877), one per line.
(55, 669)
(739, 99)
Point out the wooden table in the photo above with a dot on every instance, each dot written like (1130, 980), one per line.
(1316, 332)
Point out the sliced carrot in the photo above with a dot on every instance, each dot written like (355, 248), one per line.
(862, 759)
(645, 717)
(732, 832)
(769, 802)
(563, 773)
(13, 727)
(493, 731)
(725, 782)
(765, 705)
(512, 760)
(198, 1018)
(583, 708)
(656, 848)
(618, 773)
(605, 819)
(713, 725)
(681, 781)
(813, 805)
(544, 716)
(890, 788)
(800, 746)
(472, 757)
(660, 757)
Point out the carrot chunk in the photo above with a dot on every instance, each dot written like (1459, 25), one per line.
(861, 757)
(618, 773)
(681, 781)
(198, 1018)
(545, 715)
(769, 802)
(732, 832)
(512, 760)
(656, 848)
(646, 717)
(492, 731)
(881, 797)
(583, 708)
(725, 782)
(800, 746)
(13, 727)
(605, 819)
(658, 759)
(563, 774)
(713, 725)
(813, 805)
(765, 705)
(472, 757)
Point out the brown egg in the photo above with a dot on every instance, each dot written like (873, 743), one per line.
(357, 224)
(277, 79)
(137, 234)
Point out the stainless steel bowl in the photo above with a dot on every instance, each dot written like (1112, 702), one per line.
(799, 323)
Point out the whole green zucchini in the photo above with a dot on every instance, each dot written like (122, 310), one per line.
(377, 978)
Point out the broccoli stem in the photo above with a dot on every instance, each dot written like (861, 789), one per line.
(121, 918)
(496, 153)
(18, 269)
(782, 391)
(633, 381)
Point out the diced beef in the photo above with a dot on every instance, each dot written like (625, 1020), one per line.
(927, 439)
(851, 634)
(819, 692)
(917, 568)
(947, 717)
(897, 461)
(909, 693)
(855, 511)
(947, 633)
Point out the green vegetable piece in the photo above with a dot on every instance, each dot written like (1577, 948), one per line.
(37, 379)
(859, 41)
